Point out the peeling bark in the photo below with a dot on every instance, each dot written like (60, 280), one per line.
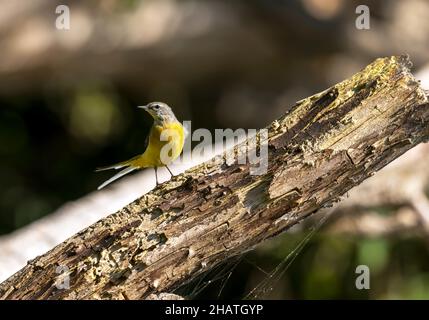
(321, 148)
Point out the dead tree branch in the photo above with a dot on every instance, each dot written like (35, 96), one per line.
(321, 148)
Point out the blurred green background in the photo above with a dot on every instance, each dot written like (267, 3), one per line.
(68, 104)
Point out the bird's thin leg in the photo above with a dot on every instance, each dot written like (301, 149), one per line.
(169, 171)
(156, 175)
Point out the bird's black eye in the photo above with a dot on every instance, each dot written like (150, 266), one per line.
(156, 107)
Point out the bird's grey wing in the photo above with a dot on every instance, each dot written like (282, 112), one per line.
(146, 141)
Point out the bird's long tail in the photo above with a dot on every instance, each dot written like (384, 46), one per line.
(119, 165)
(117, 176)
(128, 165)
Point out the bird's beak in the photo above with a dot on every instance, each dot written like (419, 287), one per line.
(143, 107)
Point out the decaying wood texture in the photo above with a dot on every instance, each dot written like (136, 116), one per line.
(322, 147)
(401, 188)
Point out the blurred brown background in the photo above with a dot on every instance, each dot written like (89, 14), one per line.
(68, 104)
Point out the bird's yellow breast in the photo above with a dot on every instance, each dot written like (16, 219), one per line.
(168, 137)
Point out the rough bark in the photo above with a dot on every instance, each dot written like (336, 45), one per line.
(401, 188)
(322, 147)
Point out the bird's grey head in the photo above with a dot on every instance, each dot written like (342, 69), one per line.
(160, 112)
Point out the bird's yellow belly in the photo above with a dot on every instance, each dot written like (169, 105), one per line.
(165, 145)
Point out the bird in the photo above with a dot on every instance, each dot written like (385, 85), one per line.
(164, 144)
